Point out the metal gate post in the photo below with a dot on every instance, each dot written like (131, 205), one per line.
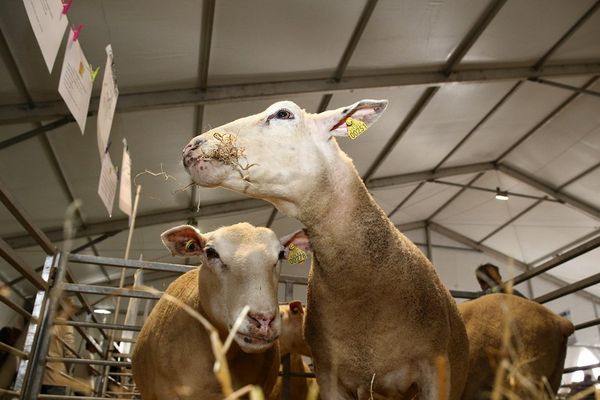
(38, 355)
(32, 330)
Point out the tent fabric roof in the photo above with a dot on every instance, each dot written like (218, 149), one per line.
(159, 47)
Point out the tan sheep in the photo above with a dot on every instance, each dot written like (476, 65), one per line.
(172, 358)
(291, 341)
(540, 342)
(361, 262)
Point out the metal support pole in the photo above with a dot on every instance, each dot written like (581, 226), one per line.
(109, 349)
(286, 363)
(32, 330)
(40, 351)
(428, 247)
(289, 291)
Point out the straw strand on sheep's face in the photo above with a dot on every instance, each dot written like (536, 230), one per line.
(228, 152)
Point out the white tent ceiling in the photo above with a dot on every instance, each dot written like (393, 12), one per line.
(158, 46)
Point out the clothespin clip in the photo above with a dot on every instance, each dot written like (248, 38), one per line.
(94, 73)
(76, 32)
(66, 6)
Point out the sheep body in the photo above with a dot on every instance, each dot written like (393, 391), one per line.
(173, 359)
(361, 262)
(540, 341)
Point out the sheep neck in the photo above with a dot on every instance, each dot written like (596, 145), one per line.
(346, 226)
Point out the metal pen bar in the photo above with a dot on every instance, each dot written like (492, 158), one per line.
(15, 306)
(572, 288)
(462, 294)
(20, 265)
(89, 361)
(562, 258)
(60, 397)
(133, 264)
(97, 325)
(587, 324)
(24, 219)
(39, 352)
(300, 374)
(14, 351)
(583, 368)
(110, 291)
(32, 330)
(10, 392)
(297, 280)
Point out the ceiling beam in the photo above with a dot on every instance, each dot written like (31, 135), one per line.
(341, 68)
(567, 246)
(208, 19)
(483, 21)
(413, 177)
(565, 86)
(549, 117)
(155, 218)
(19, 113)
(460, 238)
(349, 50)
(209, 210)
(567, 35)
(455, 196)
(410, 118)
(511, 220)
(533, 182)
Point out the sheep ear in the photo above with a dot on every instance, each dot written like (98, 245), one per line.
(296, 307)
(184, 241)
(295, 246)
(299, 239)
(352, 120)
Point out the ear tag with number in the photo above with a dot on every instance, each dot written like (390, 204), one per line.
(296, 255)
(355, 127)
(189, 244)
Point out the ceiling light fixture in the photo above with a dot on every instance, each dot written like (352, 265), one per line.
(501, 195)
(102, 311)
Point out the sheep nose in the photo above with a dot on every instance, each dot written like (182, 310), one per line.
(263, 321)
(193, 145)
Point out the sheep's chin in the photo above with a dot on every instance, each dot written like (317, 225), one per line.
(251, 344)
(208, 172)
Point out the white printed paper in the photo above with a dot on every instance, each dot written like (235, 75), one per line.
(108, 183)
(125, 188)
(108, 102)
(75, 85)
(48, 24)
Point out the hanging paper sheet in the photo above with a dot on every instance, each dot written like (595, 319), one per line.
(107, 187)
(108, 102)
(125, 188)
(75, 85)
(48, 23)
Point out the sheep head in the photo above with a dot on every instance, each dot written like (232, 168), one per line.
(240, 266)
(278, 154)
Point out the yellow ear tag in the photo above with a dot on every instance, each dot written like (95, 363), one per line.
(355, 127)
(188, 244)
(296, 255)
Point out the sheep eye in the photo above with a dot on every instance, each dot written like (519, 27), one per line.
(284, 114)
(211, 253)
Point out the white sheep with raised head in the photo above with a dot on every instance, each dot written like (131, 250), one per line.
(172, 358)
(379, 320)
